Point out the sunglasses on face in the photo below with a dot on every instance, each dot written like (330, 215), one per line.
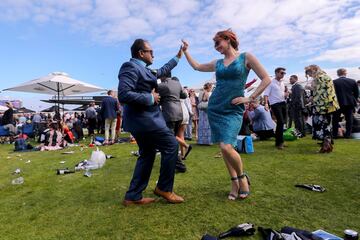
(282, 73)
(148, 50)
(217, 43)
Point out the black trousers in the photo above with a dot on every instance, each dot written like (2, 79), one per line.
(265, 134)
(299, 119)
(348, 113)
(148, 142)
(279, 111)
(91, 125)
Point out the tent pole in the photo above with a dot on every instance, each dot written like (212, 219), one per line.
(58, 92)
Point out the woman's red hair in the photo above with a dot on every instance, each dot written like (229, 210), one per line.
(228, 35)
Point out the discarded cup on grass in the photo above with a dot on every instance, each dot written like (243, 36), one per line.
(28, 161)
(17, 171)
(17, 181)
(87, 173)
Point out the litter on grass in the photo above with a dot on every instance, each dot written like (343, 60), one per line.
(17, 181)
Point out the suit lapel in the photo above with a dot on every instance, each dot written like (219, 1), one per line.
(146, 70)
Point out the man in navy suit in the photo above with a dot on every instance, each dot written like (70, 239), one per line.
(109, 109)
(297, 104)
(144, 120)
(347, 93)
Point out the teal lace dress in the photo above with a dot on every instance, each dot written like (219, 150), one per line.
(225, 118)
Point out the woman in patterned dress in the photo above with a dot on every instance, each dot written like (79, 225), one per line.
(204, 131)
(195, 118)
(226, 104)
(324, 103)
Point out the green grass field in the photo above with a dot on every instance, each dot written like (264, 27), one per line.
(50, 206)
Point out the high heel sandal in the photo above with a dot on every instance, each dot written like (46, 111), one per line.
(244, 193)
(231, 196)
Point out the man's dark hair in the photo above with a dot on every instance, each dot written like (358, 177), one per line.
(341, 72)
(279, 69)
(294, 76)
(109, 92)
(139, 44)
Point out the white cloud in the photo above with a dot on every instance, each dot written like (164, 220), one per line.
(346, 54)
(322, 30)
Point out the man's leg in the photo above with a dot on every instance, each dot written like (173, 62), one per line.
(143, 166)
(278, 110)
(166, 143)
(113, 129)
(335, 123)
(107, 127)
(348, 113)
(299, 121)
(93, 125)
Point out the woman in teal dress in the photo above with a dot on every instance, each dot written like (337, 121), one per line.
(226, 104)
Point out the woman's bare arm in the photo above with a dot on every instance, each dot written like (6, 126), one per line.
(205, 67)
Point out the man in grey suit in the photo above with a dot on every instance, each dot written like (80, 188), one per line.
(297, 104)
(144, 120)
(170, 91)
(347, 93)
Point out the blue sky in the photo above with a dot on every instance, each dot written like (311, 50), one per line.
(90, 39)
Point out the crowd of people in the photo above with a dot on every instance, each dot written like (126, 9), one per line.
(163, 116)
(55, 130)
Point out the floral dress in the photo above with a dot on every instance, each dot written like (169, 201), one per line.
(324, 103)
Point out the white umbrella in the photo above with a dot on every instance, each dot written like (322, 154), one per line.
(56, 83)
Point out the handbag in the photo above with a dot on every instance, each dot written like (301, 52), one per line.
(244, 144)
(202, 106)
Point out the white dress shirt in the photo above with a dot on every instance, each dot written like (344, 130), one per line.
(275, 91)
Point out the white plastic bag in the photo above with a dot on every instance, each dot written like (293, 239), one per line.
(98, 158)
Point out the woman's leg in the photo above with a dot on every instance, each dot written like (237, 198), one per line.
(181, 140)
(195, 121)
(235, 167)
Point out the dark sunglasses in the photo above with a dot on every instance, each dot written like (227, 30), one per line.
(282, 73)
(147, 50)
(216, 43)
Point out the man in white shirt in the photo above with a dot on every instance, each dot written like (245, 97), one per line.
(274, 95)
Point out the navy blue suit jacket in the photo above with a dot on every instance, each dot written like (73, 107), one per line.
(134, 91)
(109, 107)
(347, 91)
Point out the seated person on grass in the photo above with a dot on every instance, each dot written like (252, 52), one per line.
(262, 123)
(53, 138)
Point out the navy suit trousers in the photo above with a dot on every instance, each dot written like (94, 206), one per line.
(348, 114)
(148, 142)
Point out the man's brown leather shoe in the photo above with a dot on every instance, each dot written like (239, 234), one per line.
(171, 197)
(142, 201)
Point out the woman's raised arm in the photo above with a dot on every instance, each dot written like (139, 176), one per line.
(205, 67)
